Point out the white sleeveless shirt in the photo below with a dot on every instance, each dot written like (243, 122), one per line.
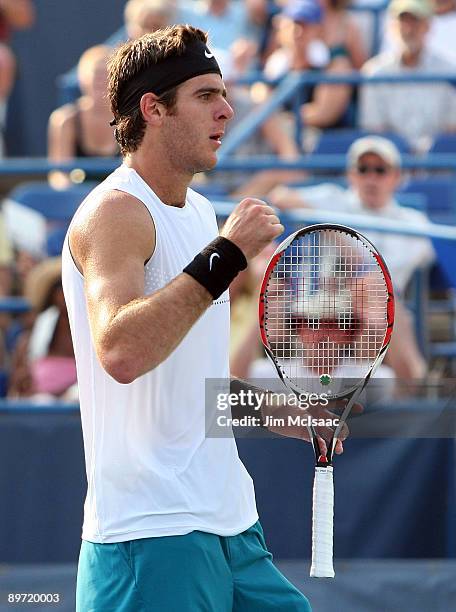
(150, 469)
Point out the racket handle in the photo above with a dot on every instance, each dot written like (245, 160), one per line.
(322, 523)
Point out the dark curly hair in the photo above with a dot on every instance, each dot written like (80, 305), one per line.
(135, 56)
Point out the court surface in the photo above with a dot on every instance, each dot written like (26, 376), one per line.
(359, 586)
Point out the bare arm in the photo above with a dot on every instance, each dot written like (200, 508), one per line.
(21, 381)
(20, 14)
(330, 101)
(62, 134)
(275, 132)
(61, 142)
(133, 333)
(355, 45)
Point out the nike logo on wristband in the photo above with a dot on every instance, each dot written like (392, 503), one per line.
(211, 259)
(208, 55)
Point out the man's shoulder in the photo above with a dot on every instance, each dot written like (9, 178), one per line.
(103, 204)
(406, 213)
(433, 61)
(383, 63)
(110, 216)
(105, 190)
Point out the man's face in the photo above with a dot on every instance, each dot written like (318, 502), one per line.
(374, 180)
(411, 31)
(94, 80)
(296, 35)
(193, 129)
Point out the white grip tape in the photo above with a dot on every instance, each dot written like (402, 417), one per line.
(322, 523)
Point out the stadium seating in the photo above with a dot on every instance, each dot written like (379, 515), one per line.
(338, 141)
(440, 193)
(54, 204)
(444, 143)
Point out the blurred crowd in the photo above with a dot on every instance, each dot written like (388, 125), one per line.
(250, 38)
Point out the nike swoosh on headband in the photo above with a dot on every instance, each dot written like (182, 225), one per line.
(208, 54)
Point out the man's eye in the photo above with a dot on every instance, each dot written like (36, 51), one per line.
(206, 96)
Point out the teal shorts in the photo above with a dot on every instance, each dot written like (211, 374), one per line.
(197, 572)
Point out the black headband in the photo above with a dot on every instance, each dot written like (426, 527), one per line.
(195, 60)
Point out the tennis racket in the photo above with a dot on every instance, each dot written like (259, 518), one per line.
(326, 317)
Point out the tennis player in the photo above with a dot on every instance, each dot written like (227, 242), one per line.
(170, 523)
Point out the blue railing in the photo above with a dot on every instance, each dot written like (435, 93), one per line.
(27, 166)
(287, 87)
(305, 216)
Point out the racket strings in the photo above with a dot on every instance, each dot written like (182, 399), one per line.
(326, 308)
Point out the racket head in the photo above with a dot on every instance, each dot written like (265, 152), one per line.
(326, 310)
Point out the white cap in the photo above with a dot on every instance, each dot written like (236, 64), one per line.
(382, 147)
(422, 9)
(325, 304)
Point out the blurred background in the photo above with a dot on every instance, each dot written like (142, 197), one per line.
(345, 112)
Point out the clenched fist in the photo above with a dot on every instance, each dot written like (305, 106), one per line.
(252, 226)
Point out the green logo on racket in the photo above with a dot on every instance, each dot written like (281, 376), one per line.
(325, 379)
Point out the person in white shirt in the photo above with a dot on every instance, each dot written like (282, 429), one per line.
(417, 111)
(170, 521)
(374, 174)
(443, 29)
(440, 38)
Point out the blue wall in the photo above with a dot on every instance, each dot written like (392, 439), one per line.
(394, 498)
(63, 30)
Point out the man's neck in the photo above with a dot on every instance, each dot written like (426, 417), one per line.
(411, 59)
(299, 60)
(167, 183)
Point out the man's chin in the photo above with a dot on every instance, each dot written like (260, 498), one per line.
(205, 165)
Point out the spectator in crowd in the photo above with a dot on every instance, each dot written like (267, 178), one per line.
(244, 290)
(374, 174)
(233, 30)
(82, 129)
(440, 38)
(443, 29)
(341, 33)
(6, 267)
(368, 17)
(43, 364)
(14, 15)
(299, 30)
(143, 16)
(299, 33)
(417, 111)
(6, 258)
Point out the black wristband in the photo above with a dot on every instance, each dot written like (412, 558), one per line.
(217, 265)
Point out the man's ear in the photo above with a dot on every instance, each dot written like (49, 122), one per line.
(151, 110)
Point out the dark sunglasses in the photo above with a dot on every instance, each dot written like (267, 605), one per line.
(380, 170)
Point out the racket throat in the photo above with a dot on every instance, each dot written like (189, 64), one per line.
(323, 460)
